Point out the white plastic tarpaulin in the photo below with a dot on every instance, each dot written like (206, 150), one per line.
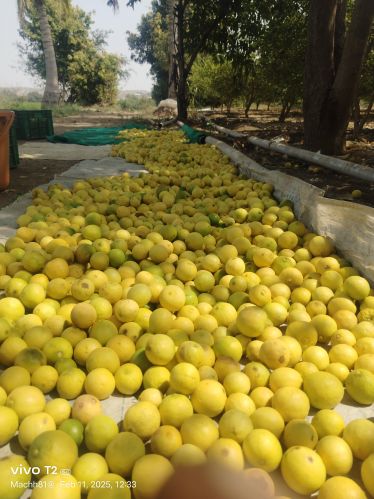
(64, 152)
(350, 225)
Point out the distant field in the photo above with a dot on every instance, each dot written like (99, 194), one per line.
(130, 104)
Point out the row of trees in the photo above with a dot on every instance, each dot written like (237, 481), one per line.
(285, 51)
(60, 46)
(334, 60)
(263, 46)
(271, 71)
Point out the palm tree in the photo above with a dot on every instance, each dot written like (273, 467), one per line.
(172, 93)
(113, 3)
(51, 92)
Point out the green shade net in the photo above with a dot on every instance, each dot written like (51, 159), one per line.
(94, 136)
(194, 136)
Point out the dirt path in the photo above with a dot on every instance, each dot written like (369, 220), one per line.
(33, 172)
(91, 119)
(264, 124)
(29, 174)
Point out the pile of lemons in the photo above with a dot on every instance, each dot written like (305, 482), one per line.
(238, 330)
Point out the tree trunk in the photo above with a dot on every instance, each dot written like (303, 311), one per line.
(319, 67)
(181, 73)
(183, 64)
(331, 76)
(340, 32)
(51, 92)
(359, 121)
(337, 107)
(282, 114)
(356, 116)
(182, 99)
(172, 93)
(248, 105)
(285, 111)
(249, 99)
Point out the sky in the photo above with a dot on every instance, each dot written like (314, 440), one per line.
(12, 73)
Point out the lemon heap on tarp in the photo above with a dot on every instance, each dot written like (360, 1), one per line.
(191, 288)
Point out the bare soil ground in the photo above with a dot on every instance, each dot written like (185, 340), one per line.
(33, 172)
(29, 174)
(263, 123)
(93, 119)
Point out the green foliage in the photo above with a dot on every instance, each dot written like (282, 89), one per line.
(22, 103)
(67, 109)
(24, 6)
(282, 48)
(87, 73)
(135, 103)
(214, 82)
(150, 45)
(197, 22)
(248, 50)
(19, 104)
(93, 77)
(262, 64)
(260, 43)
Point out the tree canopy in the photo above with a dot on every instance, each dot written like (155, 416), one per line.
(51, 94)
(255, 59)
(318, 51)
(150, 45)
(87, 73)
